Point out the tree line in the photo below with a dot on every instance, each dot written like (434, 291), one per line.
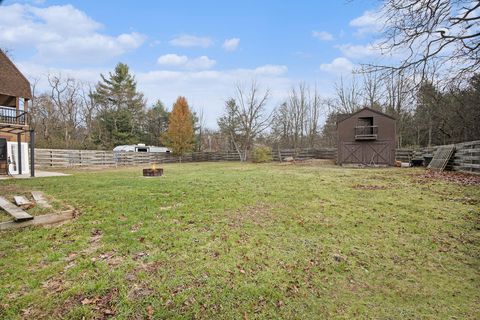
(76, 115)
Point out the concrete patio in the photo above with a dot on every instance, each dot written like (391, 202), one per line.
(38, 174)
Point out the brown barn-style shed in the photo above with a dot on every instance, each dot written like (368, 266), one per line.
(366, 137)
(15, 134)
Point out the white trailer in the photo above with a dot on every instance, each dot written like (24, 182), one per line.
(141, 147)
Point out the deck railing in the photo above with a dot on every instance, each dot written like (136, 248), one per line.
(12, 116)
(366, 132)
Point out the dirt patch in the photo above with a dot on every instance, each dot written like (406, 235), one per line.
(368, 187)
(174, 206)
(104, 305)
(464, 179)
(95, 242)
(308, 162)
(316, 162)
(140, 291)
(54, 285)
(463, 200)
(260, 215)
(110, 258)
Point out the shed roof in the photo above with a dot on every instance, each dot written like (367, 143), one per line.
(12, 81)
(343, 117)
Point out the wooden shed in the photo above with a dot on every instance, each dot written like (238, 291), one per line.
(15, 134)
(366, 137)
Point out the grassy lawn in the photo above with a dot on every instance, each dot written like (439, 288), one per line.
(244, 241)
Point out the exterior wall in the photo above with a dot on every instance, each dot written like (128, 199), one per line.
(12, 137)
(379, 151)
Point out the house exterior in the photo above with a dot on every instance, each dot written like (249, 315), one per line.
(366, 137)
(16, 137)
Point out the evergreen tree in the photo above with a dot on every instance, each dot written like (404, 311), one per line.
(180, 128)
(122, 109)
(156, 124)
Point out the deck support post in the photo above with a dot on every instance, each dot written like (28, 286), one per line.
(32, 153)
(19, 151)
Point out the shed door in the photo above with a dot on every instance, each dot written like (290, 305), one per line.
(352, 153)
(376, 153)
(366, 153)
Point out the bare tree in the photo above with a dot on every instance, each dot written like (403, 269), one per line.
(296, 121)
(245, 117)
(88, 113)
(446, 32)
(315, 110)
(348, 97)
(65, 96)
(371, 90)
(399, 102)
(200, 126)
(298, 105)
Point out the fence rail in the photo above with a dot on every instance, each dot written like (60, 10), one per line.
(56, 158)
(466, 157)
(72, 158)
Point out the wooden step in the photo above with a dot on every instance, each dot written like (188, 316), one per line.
(17, 213)
(40, 199)
(23, 202)
(40, 220)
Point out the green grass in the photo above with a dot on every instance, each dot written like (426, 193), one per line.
(244, 241)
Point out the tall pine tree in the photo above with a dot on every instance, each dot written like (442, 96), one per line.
(121, 109)
(180, 128)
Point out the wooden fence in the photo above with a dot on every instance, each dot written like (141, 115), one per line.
(304, 154)
(56, 158)
(466, 157)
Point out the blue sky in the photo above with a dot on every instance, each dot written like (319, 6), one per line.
(198, 49)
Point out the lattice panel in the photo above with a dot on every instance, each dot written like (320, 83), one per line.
(441, 157)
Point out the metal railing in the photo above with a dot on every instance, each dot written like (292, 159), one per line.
(12, 116)
(366, 132)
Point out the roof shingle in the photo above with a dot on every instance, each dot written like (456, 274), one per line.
(12, 81)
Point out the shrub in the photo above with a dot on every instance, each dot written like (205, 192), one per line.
(261, 154)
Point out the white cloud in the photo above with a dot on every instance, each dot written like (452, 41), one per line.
(210, 88)
(207, 89)
(174, 60)
(202, 62)
(62, 33)
(231, 44)
(322, 35)
(271, 70)
(92, 48)
(191, 41)
(359, 51)
(369, 22)
(339, 65)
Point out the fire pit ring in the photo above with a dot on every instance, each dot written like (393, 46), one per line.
(153, 172)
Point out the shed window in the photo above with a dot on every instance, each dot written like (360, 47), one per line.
(365, 122)
(366, 125)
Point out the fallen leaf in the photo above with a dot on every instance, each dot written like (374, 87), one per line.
(150, 312)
